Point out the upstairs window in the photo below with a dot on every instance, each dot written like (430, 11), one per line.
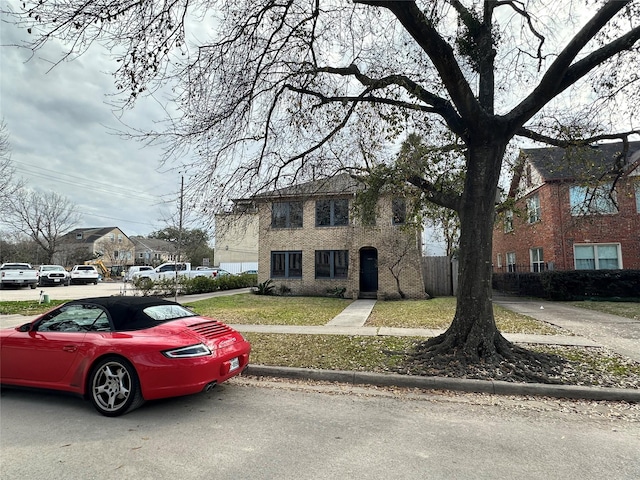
(533, 209)
(399, 211)
(332, 213)
(592, 200)
(508, 221)
(286, 215)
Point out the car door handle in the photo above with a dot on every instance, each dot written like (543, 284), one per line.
(69, 348)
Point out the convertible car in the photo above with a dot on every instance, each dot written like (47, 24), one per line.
(120, 351)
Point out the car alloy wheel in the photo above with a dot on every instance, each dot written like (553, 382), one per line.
(114, 388)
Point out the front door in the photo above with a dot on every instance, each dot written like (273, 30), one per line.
(368, 271)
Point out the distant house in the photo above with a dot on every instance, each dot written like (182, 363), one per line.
(108, 244)
(152, 251)
(237, 237)
(575, 209)
(311, 241)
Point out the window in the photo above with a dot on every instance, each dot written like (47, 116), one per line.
(533, 209)
(78, 236)
(592, 200)
(508, 221)
(511, 262)
(286, 264)
(330, 213)
(120, 238)
(597, 257)
(399, 211)
(499, 260)
(112, 237)
(637, 188)
(286, 215)
(537, 260)
(332, 263)
(75, 318)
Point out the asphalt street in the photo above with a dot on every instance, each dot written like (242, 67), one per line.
(248, 429)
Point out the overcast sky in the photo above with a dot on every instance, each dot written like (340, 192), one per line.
(59, 131)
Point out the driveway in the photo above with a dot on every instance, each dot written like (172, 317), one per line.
(59, 292)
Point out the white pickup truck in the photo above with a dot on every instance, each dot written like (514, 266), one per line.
(168, 271)
(18, 275)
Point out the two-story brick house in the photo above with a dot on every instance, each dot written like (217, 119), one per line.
(575, 209)
(312, 242)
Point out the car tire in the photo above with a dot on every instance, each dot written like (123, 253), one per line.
(33, 286)
(113, 387)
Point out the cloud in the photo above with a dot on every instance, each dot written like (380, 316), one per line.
(61, 129)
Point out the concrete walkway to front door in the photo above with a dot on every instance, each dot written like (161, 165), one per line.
(355, 315)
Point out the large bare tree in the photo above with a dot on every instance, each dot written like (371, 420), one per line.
(269, 91)
(43, 217)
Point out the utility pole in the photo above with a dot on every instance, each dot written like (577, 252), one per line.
(180, 207)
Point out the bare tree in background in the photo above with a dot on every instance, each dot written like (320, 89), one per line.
(284, 90)
(9, 185)
(43, 217)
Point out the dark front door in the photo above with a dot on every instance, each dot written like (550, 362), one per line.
(368, 270)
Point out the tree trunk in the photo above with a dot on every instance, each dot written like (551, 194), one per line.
(473, 333)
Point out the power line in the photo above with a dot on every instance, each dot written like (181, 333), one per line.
(92, 184)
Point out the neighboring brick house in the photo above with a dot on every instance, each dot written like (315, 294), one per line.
(572, 211)
(109, 244)
(153, 251)
(312, 242)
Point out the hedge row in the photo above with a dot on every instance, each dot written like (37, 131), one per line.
(192, 286)
(572, 285)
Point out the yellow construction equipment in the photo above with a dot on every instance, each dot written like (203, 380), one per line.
(98, 263)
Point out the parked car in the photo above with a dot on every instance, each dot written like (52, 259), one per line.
(121, 351)
(53, 275)
(130, 273)
(214, 271)
(84, 274)
(18, 275)
(168, 271)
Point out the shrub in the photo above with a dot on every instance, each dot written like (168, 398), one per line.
(265, 288)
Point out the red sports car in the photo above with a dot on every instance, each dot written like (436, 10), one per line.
(121, 351)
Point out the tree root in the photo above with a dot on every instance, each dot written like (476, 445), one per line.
(487, 358)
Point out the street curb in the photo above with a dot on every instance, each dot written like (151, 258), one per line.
(495, 387)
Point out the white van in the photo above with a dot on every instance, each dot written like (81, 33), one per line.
(128, 276)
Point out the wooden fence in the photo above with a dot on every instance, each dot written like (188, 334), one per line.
(440, 276)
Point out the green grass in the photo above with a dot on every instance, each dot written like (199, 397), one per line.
(253, 309)
(437, 313)
(622, 309)
(28, 307)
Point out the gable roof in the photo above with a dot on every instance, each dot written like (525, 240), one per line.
(153, 244)
(555, 163)
(342, 184)
(89, 235)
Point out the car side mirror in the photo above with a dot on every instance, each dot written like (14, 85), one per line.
(24, 328)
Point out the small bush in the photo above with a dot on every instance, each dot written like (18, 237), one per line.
(265, 288)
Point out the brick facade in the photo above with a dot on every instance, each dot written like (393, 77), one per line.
(397, 247)
(557, 231)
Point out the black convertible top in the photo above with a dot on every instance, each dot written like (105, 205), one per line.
(127, 313)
